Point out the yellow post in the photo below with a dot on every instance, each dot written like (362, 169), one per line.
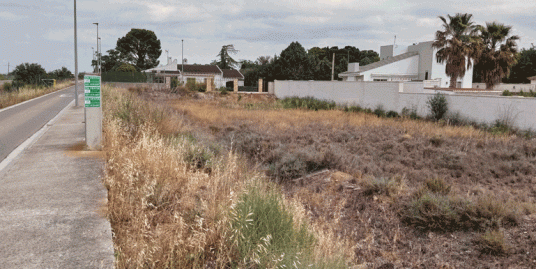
(260, 84)
(235, 85)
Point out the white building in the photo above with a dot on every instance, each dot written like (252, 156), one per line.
(199, 73)
(414, 63)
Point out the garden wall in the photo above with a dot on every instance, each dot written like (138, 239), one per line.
(519, 111)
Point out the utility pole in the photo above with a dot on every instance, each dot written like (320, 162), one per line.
(333, 68)
(8, 68)
(100, 62)
(75, 59)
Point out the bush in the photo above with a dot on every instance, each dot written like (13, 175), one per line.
(392, 114)
(379, 111)
(437, 185)
(295, 164)
(264, 233)
(307, 103)
(493, 242)
(174, 82)
(438, 106)
(410, 113)
(385, 186)
(506, 93)
(353, 109)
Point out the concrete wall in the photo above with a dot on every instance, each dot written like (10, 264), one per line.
(135, 85)
(397, 96)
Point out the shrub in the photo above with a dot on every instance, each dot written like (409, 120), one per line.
(392, 114)
(410, 113)
(437, 185)
(353, 109)
(501, 127)
(506, 93)
(386, 186)
(307, 103)
(492, 242)
(264, 233)
(7, 87)
(174, 82)
(438, 106)
(295, 164)
(379, 111)
(432, 211)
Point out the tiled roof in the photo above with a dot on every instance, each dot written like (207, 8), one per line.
(200, 69)
(385, 62)
(231, 73)
(532, 78)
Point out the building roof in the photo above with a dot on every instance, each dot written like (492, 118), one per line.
(200, 69)
(383, 62)
(232, 73)
(532, 78)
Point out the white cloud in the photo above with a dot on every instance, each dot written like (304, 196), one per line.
(4, 15)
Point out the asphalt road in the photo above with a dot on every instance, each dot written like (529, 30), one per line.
(19, 123)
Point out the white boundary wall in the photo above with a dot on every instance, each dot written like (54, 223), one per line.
(397, 96)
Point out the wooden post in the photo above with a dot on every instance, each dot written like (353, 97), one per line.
(235, 85)
(260, 84)
(209, 84)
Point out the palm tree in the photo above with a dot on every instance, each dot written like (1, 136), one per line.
(498, 54)
(457, 45)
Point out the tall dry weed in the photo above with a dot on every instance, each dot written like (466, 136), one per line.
(165, 212)
(27, 93)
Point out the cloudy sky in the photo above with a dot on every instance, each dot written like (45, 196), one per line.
(42, 31)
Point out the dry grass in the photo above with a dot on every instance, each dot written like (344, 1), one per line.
(219, 114)
(27, 93)
(171, 197)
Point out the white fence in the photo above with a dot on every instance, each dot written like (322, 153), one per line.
(397, 96)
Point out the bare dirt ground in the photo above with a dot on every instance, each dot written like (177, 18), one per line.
(347, 153)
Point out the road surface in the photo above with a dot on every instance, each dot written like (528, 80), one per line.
(20, 122)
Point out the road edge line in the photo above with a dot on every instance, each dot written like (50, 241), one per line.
(18, 104)
(15, 153)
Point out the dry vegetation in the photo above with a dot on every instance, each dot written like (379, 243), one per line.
(9, 98)
(374, 192)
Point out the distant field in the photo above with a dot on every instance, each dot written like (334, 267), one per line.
(26, 93)
(399, 192)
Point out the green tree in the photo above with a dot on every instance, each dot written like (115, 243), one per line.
(293, 64)
(498, 53)
(61, 74)
(524, 68)
(458, 45)
(140, 48)
(124, 67)
(109, 62)
(226, 61)
(29, 73)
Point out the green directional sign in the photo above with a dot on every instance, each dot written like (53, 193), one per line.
(92, 91)
(93, 102)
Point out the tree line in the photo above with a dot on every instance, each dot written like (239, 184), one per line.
(296, 63)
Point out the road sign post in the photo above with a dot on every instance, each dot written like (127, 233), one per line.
(93, 111)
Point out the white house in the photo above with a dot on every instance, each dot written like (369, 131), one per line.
(413, 63)
(198, 73)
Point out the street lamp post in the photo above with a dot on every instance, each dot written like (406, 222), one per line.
(98, 66)
(182, 62)
(100, 63)
(75, 59)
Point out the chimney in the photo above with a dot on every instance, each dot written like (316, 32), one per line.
(353, 67)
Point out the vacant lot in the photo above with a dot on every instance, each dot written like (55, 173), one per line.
(385, 164)
(377, 192)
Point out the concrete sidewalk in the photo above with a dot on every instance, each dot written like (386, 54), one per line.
(53, 203)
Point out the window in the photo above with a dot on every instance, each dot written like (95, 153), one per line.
(380, 79)
(426, 75)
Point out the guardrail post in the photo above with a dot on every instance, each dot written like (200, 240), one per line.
(260, 84)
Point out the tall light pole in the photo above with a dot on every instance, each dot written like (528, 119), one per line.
(100, 63)
(98, 67)
(182, 61)
(75, 59)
